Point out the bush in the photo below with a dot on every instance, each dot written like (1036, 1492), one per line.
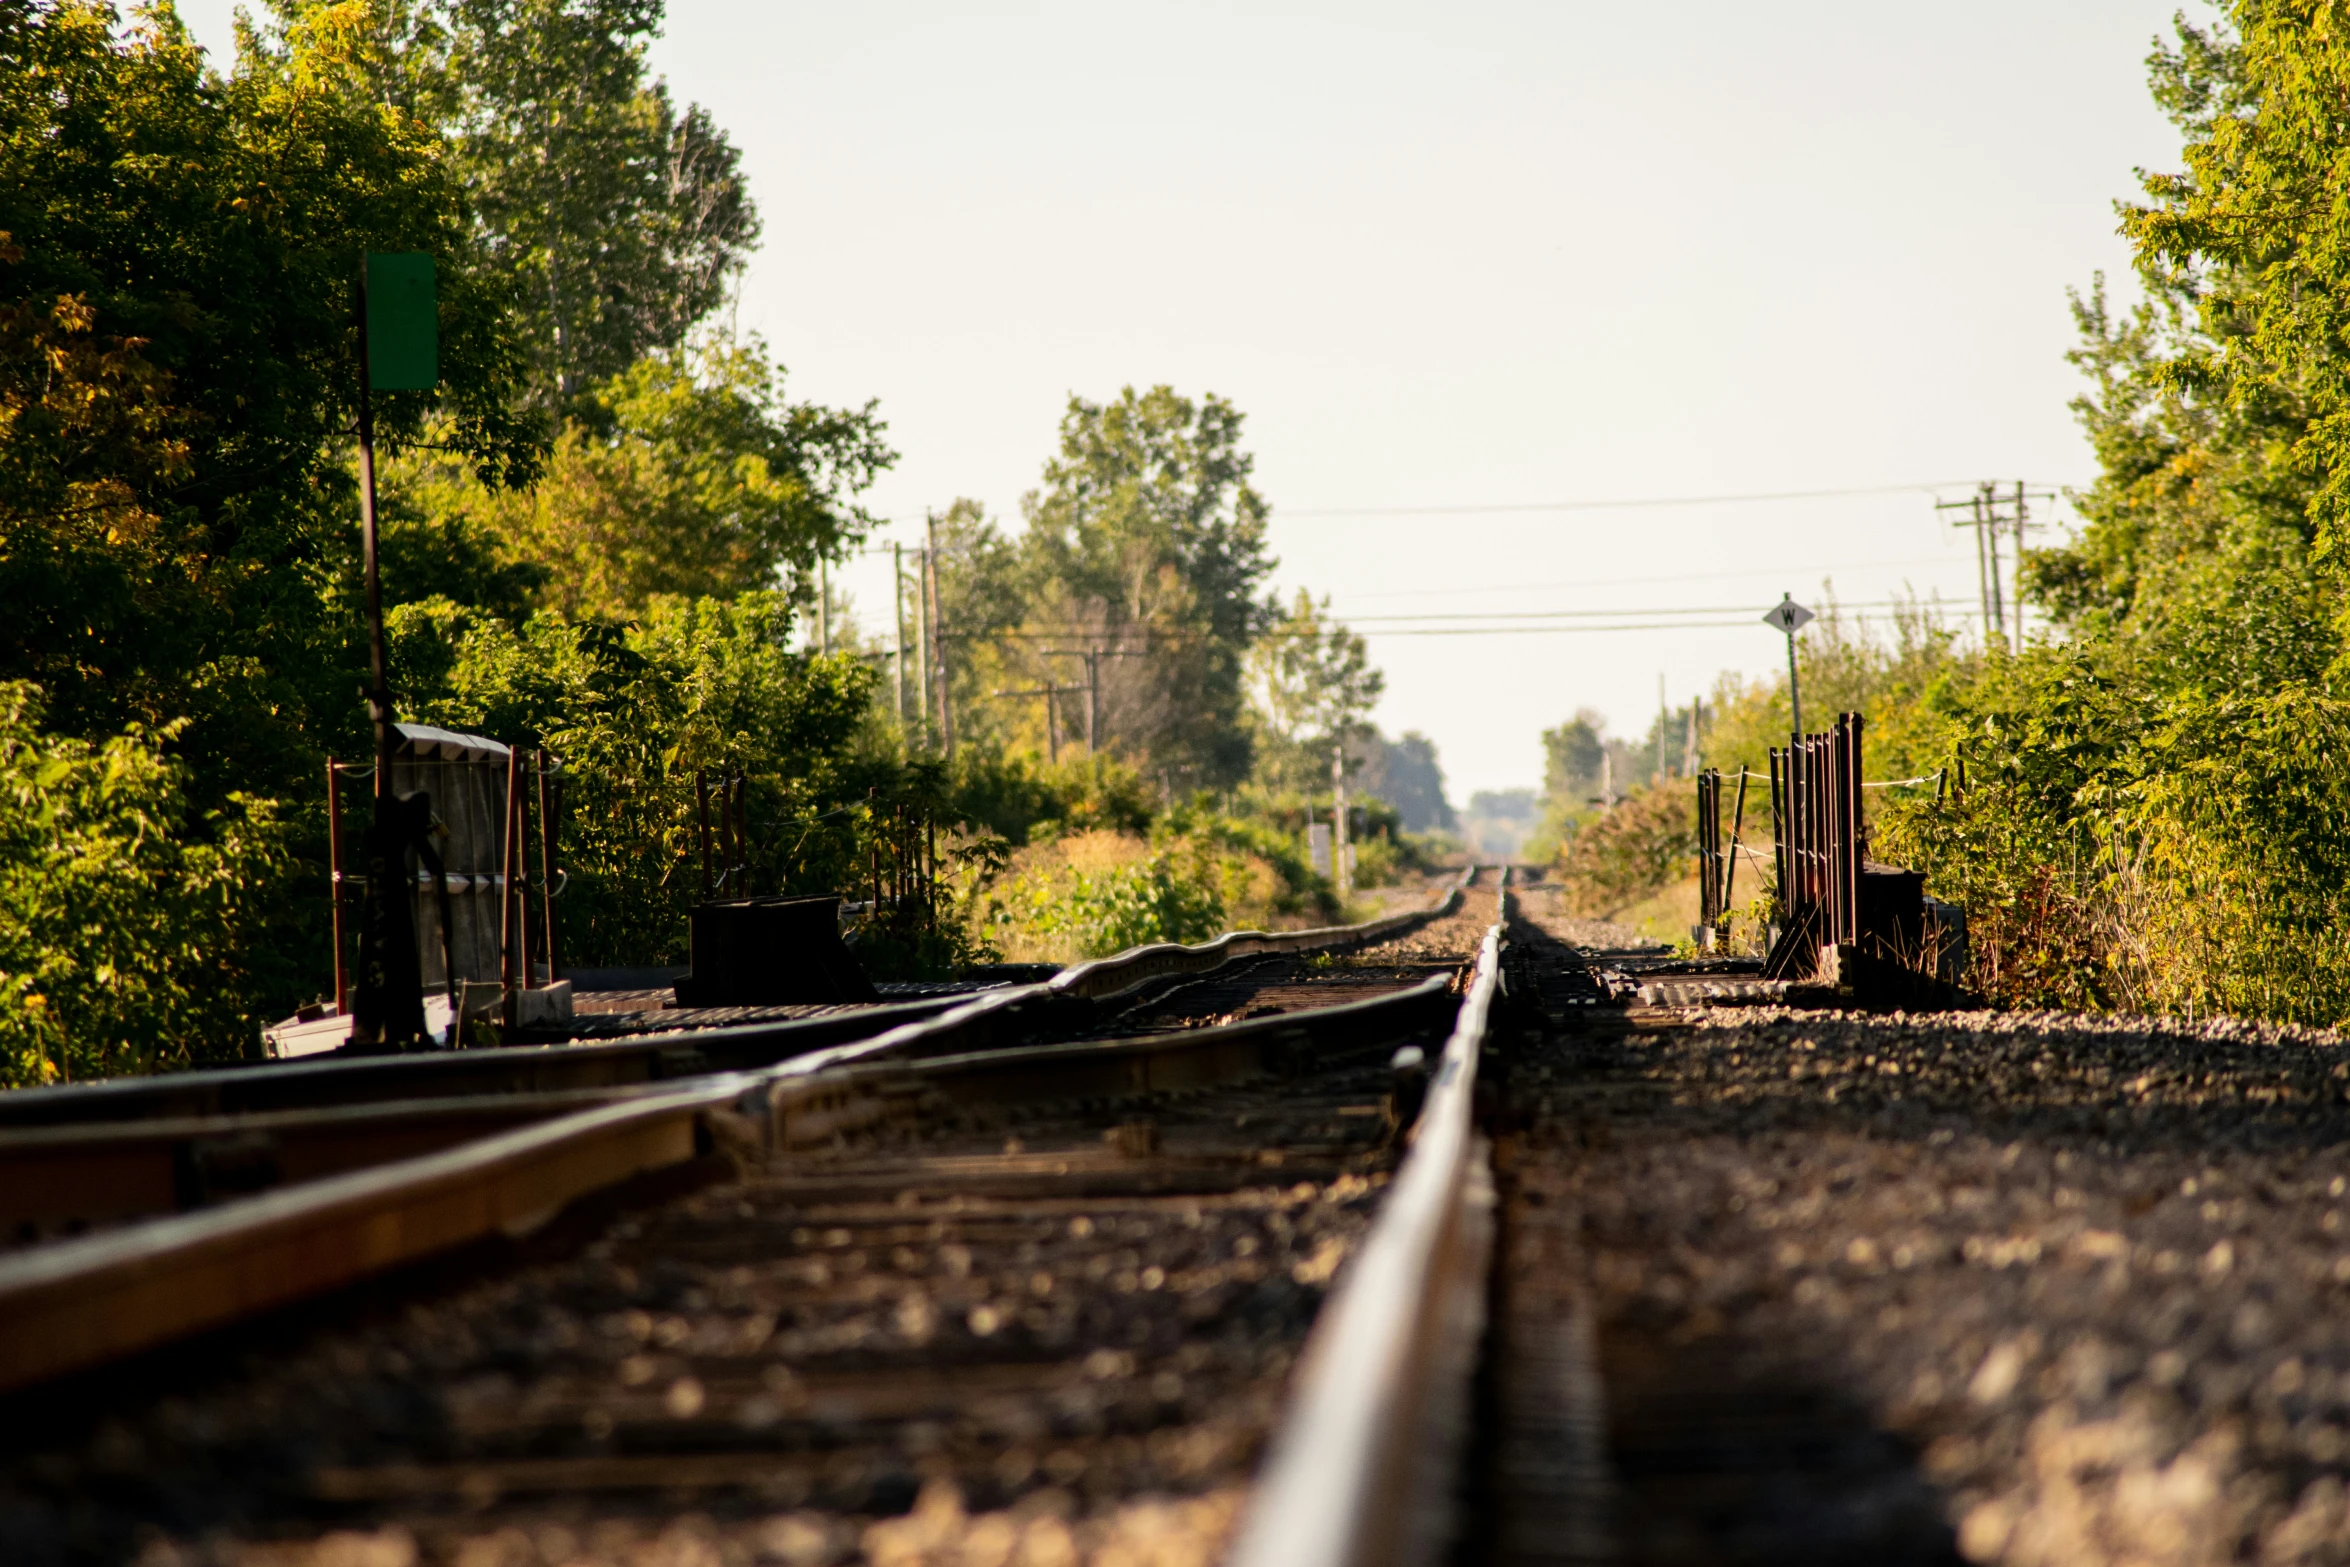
(121, 912)
(1646, 842)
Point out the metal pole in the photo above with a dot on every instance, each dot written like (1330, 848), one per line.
(1737, 827)
(546, 870)
(702, 818)
(1794, 691)
(334, 879)
(506, 898)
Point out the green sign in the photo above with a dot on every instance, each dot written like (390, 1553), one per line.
(403, 326)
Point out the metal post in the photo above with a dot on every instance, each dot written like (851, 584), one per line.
(334, 860)
(1794, 690)
(389, 1007)
(702, 818)
(511, 1009)
(521, 877)
(1737, 828)
(546, 870)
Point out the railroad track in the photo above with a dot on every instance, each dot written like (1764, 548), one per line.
(1014, 1286)
(1638, 1273)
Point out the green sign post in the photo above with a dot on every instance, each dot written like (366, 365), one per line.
(403, 324)
(399, 351)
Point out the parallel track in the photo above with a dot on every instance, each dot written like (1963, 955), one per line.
(937, 1262)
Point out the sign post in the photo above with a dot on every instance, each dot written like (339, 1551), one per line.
(1789, 617)
(399, 351)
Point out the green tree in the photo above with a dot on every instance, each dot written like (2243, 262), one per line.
(1310, 687)
(1146, 545)
(621, 220)
(699, 479)
(127, 915)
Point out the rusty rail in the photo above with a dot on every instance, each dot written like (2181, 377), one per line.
(1362, 1465)
(76, 1303)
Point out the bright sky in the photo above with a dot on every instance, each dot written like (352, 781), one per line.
(1458, 256)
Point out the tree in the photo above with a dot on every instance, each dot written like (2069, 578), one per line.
(1572, 756)
(1310, 687)
(620, 220)
(177, 351)
(699, 479)
(1405, 774)
(1145, 546)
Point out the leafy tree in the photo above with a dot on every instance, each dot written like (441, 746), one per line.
(700, 479)
(620, 220)
(1405, 774)
(1311, 687)
(633, 711)
(126, 914)
(176, 382)
(1146, 539)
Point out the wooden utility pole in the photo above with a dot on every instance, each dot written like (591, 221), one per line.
(938, 630)
(897, 636)
(922, 641)
(1340, 869)
(1999, 586)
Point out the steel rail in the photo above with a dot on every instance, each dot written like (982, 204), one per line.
(73, 1173)
(75, 1303)
(1360, 1469)
(654, 1058)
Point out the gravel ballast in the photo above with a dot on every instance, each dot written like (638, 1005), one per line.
(2018, 1288)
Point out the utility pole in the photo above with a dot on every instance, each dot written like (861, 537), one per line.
(1339, 856)
(922, 642)
(897, 635)
(1689, 753)
(946, 713)
(823, 606)
(1660, 729)
(1093, 683)
(1988, 513)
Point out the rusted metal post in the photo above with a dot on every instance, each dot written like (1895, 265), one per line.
(521, 875)
(546, 870)
(1737, 827)
(1780, 826)
(334, 879)
(511, 1005)
(702, 816)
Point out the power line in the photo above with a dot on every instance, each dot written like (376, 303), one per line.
(1922, 487)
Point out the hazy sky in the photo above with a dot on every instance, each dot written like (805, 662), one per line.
(1459, 256)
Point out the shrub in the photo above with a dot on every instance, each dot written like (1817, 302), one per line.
(1620, 856)
(121, 910)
